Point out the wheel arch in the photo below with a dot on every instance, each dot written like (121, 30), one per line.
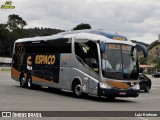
(76, 79)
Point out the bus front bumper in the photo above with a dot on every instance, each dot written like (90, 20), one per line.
(117, 92)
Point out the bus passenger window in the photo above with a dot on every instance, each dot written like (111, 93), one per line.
(86, 51)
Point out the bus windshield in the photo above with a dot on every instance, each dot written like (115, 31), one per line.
(119, 61)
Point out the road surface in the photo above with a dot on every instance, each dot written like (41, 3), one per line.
(15, 98)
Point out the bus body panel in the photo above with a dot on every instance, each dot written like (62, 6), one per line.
(65, 71)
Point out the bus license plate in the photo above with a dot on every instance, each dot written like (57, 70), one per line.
(122, 93)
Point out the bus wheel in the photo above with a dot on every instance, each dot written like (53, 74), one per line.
(23, 81)
(29, 82)
(77, 89)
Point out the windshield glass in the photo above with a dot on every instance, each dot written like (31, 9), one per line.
(120, 62)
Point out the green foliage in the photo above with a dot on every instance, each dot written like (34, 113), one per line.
(33, 32)
(8, 38)
(153, 44)
(5, 41)
(82, 26)
(15, 22)
(143, 60)
(13, 30)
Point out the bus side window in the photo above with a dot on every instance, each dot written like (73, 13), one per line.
(86, 51)
(81, 50)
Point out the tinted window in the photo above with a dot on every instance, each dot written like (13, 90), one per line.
(51, 46)
(86, 52)
(120, 62)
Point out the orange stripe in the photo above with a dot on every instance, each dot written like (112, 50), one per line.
(15, 73)
(40, 79)
(117, 84)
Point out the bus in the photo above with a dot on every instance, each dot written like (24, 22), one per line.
(74, 61)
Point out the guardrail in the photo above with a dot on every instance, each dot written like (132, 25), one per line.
(5, 63)
(5, 68)
(5, 60)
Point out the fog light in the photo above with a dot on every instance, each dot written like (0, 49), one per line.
(102, 85)
(136, 87)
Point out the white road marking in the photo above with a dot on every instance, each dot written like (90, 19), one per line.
(142, 118)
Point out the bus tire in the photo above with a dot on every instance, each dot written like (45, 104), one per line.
(29, 82)
(23, 81)
(77, 89)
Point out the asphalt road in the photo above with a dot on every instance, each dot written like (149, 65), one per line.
(15, 98)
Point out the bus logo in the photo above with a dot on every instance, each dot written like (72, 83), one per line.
(45, 59)
(29, 63)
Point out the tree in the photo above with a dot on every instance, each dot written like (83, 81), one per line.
(13, 30)
(82, 26)
(2, 26)
(15, 22)
(6, 39)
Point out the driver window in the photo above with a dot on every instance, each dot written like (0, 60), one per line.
(111, 59)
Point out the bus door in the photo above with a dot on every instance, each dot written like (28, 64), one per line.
(94, 69)
(87, 55)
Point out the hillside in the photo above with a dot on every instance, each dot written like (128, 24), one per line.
(153, 44)
(7, 38)
(145, 44)
(154, 53)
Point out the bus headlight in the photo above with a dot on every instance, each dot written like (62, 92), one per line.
(136, 87)
(102, 85)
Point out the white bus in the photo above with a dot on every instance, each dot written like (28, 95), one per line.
(86, 62)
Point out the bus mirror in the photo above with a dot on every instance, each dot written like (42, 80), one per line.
(145, 53)
(102, 46)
